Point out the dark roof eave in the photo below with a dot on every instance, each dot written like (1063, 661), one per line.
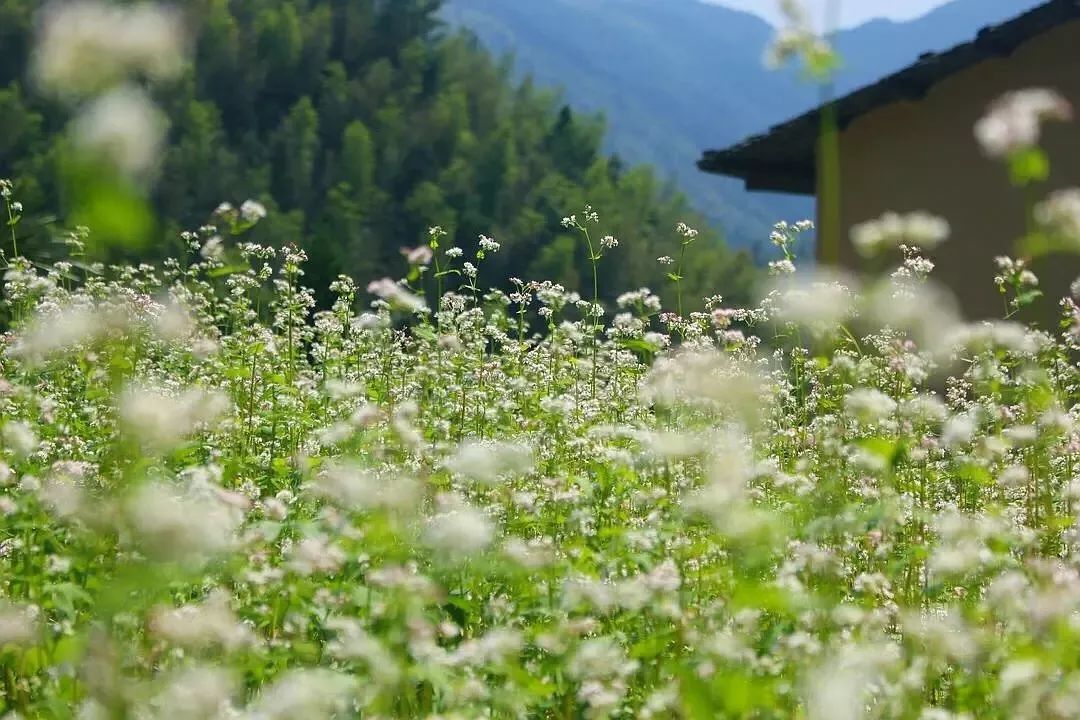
(794, 179)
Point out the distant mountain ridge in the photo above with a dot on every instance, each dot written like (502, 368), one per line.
(674, 77)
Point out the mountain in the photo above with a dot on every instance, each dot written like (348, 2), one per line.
(674, 77)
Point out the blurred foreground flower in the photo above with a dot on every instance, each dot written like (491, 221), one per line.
(86, 46)
(921, 229)
(123, 128)
(1013, 123)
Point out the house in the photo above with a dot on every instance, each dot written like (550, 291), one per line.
(906, 143)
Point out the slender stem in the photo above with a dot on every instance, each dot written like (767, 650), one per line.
(594, 259)
(11, 225)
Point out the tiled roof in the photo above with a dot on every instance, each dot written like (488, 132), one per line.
(783, 158)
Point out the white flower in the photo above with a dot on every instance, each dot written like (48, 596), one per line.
(315, 554)
(609, 242)
(459, 530)
(353, 642)
(213, 248)
(819, 302)
(488, 245)
(959, 430)
(869, 405)
(1013, 122)
(18, 624)
(160, 420)
(19, 437)
(195, 693)
(687, 232)
(86, 45)
(396, 295)
(919, 229)
(210, 623)
(308, 694)
(354, 488)
(487, 462)
(420, 255)
(175, 524)
(1059, 214)
(124, 127)
(1014, 476)
(252, 211)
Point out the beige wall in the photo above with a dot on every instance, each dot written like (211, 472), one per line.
(923, 156)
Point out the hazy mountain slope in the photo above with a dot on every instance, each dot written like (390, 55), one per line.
(674, 77)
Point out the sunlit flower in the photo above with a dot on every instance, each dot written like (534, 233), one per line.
(86, 45)
(1014, 121)
(124, 128)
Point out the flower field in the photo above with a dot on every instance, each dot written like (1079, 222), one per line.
(216, 502)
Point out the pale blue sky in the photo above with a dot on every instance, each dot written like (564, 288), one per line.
(853, 12)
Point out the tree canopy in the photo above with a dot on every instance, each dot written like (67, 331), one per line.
(360, 124)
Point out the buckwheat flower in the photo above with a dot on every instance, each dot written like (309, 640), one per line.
(781, 267)
(459, 530)
(252, 211)
(396, 295)
(196, 626)
(665, 260)
(687, 232)
(869, 405)
(838, 688)
(819, 301)
(315, 554)
(161, 421)
(195, 693)
(18, 437)
(353, 642)
(705, 379)
(1059, 215)
(63, 496)
(1014, 121)
(926, 408)
(354, 488)
(488, 462)
(86, 45)
(609, 242)
(308, 694)
(926, 312)
(1018, 675)
(418, 256)
(213, 248)
(492, 648)
(123, 127)
(454, 252)
(488, 245)
(600, 658)
(18, 624)
(891, 230)
(170, 523)
(1014, 476)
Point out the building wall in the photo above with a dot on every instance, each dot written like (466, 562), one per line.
(922, 155)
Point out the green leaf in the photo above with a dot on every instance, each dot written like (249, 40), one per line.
(1029, 166)
(227, 270)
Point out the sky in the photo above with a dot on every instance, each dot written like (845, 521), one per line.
(853, 12)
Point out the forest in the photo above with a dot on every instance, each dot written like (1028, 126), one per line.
(360, 124)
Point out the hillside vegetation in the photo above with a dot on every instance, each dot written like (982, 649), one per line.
(360, 125)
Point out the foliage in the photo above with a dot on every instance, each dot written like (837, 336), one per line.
(359, 124)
